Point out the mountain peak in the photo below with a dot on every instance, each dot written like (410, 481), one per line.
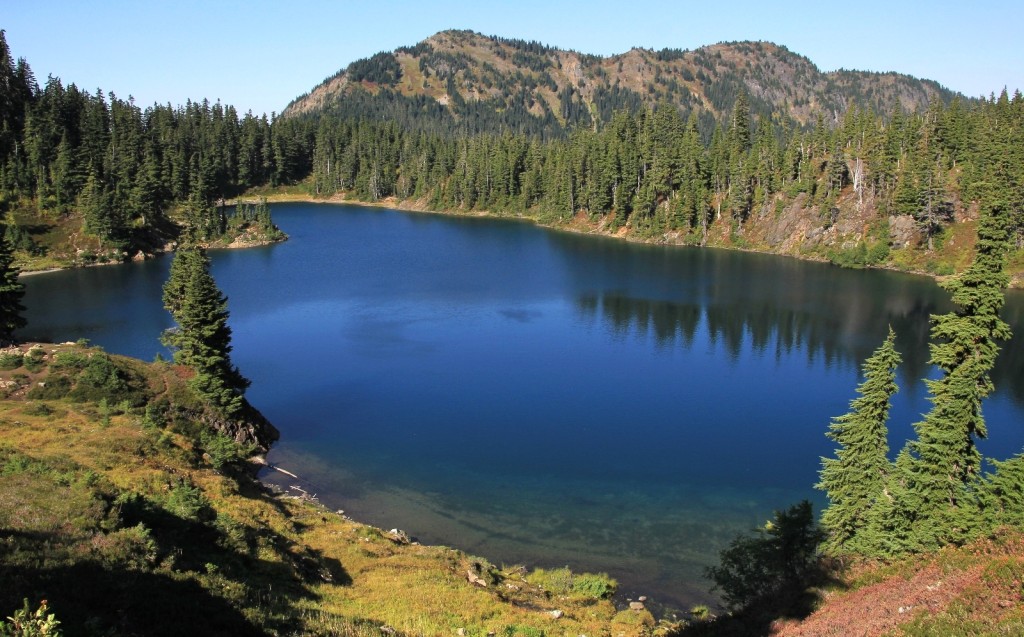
(490, 83)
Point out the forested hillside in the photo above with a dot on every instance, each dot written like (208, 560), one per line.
(862, 169)
(870, 189)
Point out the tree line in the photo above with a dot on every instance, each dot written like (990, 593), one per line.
(654, 171)
(121, 168)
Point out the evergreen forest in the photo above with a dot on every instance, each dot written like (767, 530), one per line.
(130, 177)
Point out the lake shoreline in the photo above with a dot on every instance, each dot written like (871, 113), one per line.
(242, 241)
(595, 297)
(575, 226)
(663, 604)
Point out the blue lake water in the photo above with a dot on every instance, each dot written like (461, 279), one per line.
(541, 397)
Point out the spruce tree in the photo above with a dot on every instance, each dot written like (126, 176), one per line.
(943, 467)
(1002, 494)
(202, 339)
(11, 291)
(856, 477)
(890, 525)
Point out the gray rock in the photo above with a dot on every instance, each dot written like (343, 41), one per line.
(904, 232)
(475, 579)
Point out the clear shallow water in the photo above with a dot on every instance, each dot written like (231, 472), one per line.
(541, 397)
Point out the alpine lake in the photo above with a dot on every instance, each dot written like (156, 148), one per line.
(538, 397)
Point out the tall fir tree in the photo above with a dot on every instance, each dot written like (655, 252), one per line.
(202, 339)
(856, 477)
(11, 291)
(942, 470)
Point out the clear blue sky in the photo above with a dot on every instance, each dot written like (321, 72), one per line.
(259, 55)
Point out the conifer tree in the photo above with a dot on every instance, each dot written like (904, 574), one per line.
(856, 477)
(943, 466)
(11, 291)
(890, 525)
(1002, 494)
(202, 339)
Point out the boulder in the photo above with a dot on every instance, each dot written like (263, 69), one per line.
(398, 536)
(904, 232)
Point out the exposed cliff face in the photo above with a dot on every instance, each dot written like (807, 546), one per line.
(454, 69)
(248, 427)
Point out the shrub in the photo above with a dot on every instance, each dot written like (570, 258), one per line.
(700, 613)
(562, 581)
(860, 255)
(55, 387)
(522, 631)
(102, 379)
(232, 534)
(779, 557)
(223, 450)
(38, 409)
(11, 360)
(878, 253)
(26, 623)
(34, 359)
(598, 586)
(69, 360)
(638, 618)
(131, 548)
(188, 502)
(15, 464)
(155, 416)
(556, 581)
(104, 412)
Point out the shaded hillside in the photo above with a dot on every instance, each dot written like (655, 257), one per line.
(466, 81)
(969, 590)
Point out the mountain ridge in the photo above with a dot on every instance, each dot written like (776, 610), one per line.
(464, 72)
